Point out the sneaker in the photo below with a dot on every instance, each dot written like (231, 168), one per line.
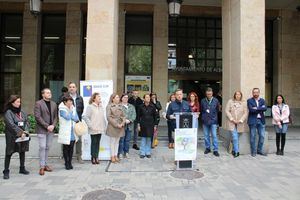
(236, 155)
(216, 154)
(207, 151)
(148, 156)
(253, 154)
(135, 146)
(126, 155)
(142, 156)
(261, 153)
(120, 156)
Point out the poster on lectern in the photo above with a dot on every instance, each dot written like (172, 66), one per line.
(185, 144)
(87, 88)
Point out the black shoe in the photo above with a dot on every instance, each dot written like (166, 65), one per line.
(23, 171)
(67, 166)
(142, 156)
(261, 153)
(70, 166)
(148, 156)
(278, 152)
(253, 154)
(216, 154)
(135, 146)
(281, 153)
(207, 151)
(233, 153)
(236, 155)
(6, 174)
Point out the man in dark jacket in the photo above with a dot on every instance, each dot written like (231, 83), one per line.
(256, 121)
(136, 101)
(78, 103)
(210, 107)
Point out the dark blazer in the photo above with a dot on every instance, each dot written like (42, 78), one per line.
(147, 118)
(13, 131)
(79, 106)
(177, 107)
(260, 109)
(42, 116)
(211, 117)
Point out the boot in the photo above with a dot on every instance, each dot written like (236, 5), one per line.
(6, 174)
(277, 143)
(23, 171)
(282, 143)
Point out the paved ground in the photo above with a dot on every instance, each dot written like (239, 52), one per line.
(271, 177)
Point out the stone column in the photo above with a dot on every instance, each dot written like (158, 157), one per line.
(121, 50)
(160, 52)
(243, 24)
(30, 59)
(102, 40)
(73, 43)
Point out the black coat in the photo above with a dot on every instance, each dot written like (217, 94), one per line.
(13, 131)
(158, 107)
(147, 118)
(136, 103)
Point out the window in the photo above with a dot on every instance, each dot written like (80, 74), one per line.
(11, 56)
(138, 45)
(53, 53)
(195, 44)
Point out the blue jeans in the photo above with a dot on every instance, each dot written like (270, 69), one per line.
(145, 148)
(235, 140)
(124, 142)
(213, 129)
(260, 128)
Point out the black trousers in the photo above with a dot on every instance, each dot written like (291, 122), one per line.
(95, 143)
(68, 152)
(8, 157)
(170, 130)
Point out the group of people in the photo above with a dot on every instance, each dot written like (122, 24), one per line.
(127, 114)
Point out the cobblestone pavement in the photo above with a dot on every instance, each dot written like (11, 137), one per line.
(245, 177)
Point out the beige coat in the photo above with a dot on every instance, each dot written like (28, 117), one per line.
(115, 116)
(94, 118)
(238, 111)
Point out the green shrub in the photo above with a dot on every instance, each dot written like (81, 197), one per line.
(2, 125)
(32, 123)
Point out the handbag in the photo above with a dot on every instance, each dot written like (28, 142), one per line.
(80, 128)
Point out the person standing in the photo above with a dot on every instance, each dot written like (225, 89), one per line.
(157, 105)
(256, 122)
(236, 113)
(66, 136)
(45, 112)
(194, 104)
(16, 126)
(130, 116)
(116, 122)
(79, 105)
(220, 99)
(95, 120)
(169, 123)
(147, 124)
(136, 101)
(280, 113)
(210, 108)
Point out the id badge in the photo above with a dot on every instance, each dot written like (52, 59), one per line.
(207, 111)
(20, 123)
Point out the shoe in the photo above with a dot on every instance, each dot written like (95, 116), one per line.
(233, 153)
(80, 160)
(261, 153)
(148, 156)
(135, 146)
(70, 166)
(48, 169)
(281, 153)
(113, 160)
(117, 159)
(207, 151)
(216, 154)
(236, 155)
(23, 171)
(126, 155)
(173, 145)
(42, 172)
(121, 156)
(5, 174)
(67, 166)
(97, 161)
(253, 154)
(170, 146)
(278, 152)
(142, 156)
(93, 161)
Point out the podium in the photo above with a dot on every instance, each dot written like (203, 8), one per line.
(185, 140)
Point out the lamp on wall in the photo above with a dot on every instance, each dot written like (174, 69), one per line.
(174, 7)
(35, 6)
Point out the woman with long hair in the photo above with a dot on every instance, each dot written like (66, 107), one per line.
(16, 127)
(158, 108)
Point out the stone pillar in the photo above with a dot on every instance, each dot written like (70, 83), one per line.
(160, 52)
(243, 34)
(30, 59)
(102, 40)
(73, 43)
(121, 50)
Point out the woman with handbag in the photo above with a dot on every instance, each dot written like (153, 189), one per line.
(115, 127)
(16, 127)
(158, 107)
(95, 120)
(281, 119)
(236, 113)
(66, 136)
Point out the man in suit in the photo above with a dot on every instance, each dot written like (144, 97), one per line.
(256, 121)
(45, 112)
(78, 104)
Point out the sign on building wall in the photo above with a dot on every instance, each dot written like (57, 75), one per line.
(87, 88)
(139, 83)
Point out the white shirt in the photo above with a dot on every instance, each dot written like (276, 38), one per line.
(257, 103)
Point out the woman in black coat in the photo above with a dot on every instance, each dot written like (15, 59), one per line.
(16, 126)
(147, 124)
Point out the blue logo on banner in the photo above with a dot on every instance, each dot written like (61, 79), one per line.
(87, 91)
